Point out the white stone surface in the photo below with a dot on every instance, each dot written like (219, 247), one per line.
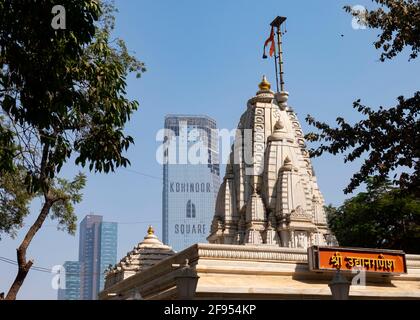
(146, 254)
(274, 200)
(258, 272)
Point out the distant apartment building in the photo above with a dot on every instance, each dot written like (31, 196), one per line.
(97, 250)
(189, 188)
(71, 290)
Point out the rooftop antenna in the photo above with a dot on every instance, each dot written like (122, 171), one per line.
(278, 52)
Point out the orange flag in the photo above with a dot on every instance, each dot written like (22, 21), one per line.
(270, 40)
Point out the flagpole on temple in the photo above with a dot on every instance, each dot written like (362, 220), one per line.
(275, 65)
(277, 22)
(271, 41)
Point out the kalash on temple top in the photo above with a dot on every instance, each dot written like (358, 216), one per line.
(274, 199)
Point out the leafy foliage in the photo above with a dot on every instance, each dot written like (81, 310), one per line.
(68, 85)
(399, 21)
(388, 136)
(70, 194)
(62, 91)
(14, 200)
(381, 217)
(62, 94)
(7, 147)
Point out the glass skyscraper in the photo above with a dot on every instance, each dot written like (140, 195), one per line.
(191, 179)
(97, 250)
(108, 249)
(72, 281)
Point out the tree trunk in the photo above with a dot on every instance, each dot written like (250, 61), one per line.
(23, 265)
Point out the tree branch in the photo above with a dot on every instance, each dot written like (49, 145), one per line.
(23, 265)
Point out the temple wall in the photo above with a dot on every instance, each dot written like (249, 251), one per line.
(258, 272)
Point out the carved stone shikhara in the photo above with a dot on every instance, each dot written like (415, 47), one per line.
(270, 197)
(146, 254)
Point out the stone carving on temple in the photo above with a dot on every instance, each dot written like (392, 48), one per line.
(275, 198)
(146, 254)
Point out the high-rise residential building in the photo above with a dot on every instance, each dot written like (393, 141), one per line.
(97, 250)
(191, 179)
(71, 280)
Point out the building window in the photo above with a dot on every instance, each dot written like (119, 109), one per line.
(190, 209)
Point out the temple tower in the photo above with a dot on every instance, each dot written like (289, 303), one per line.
(269, 194)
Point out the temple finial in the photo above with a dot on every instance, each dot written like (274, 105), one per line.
(150, 230)
(264, 84)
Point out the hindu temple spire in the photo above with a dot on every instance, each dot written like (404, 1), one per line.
(271, 197)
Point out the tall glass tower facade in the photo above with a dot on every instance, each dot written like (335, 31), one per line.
(72, 281)
(191, 179)
(97, 250)
(108, 249)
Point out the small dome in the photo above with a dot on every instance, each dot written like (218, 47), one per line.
(146, 254)
(264, 85)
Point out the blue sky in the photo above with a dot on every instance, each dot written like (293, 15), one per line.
(204, 57)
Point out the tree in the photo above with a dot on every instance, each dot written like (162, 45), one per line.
(400, 25)
(381, 217)
(14, 200)
(389, 136)
(62, 93)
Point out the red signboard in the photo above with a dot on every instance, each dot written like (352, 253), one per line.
(370, 260)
